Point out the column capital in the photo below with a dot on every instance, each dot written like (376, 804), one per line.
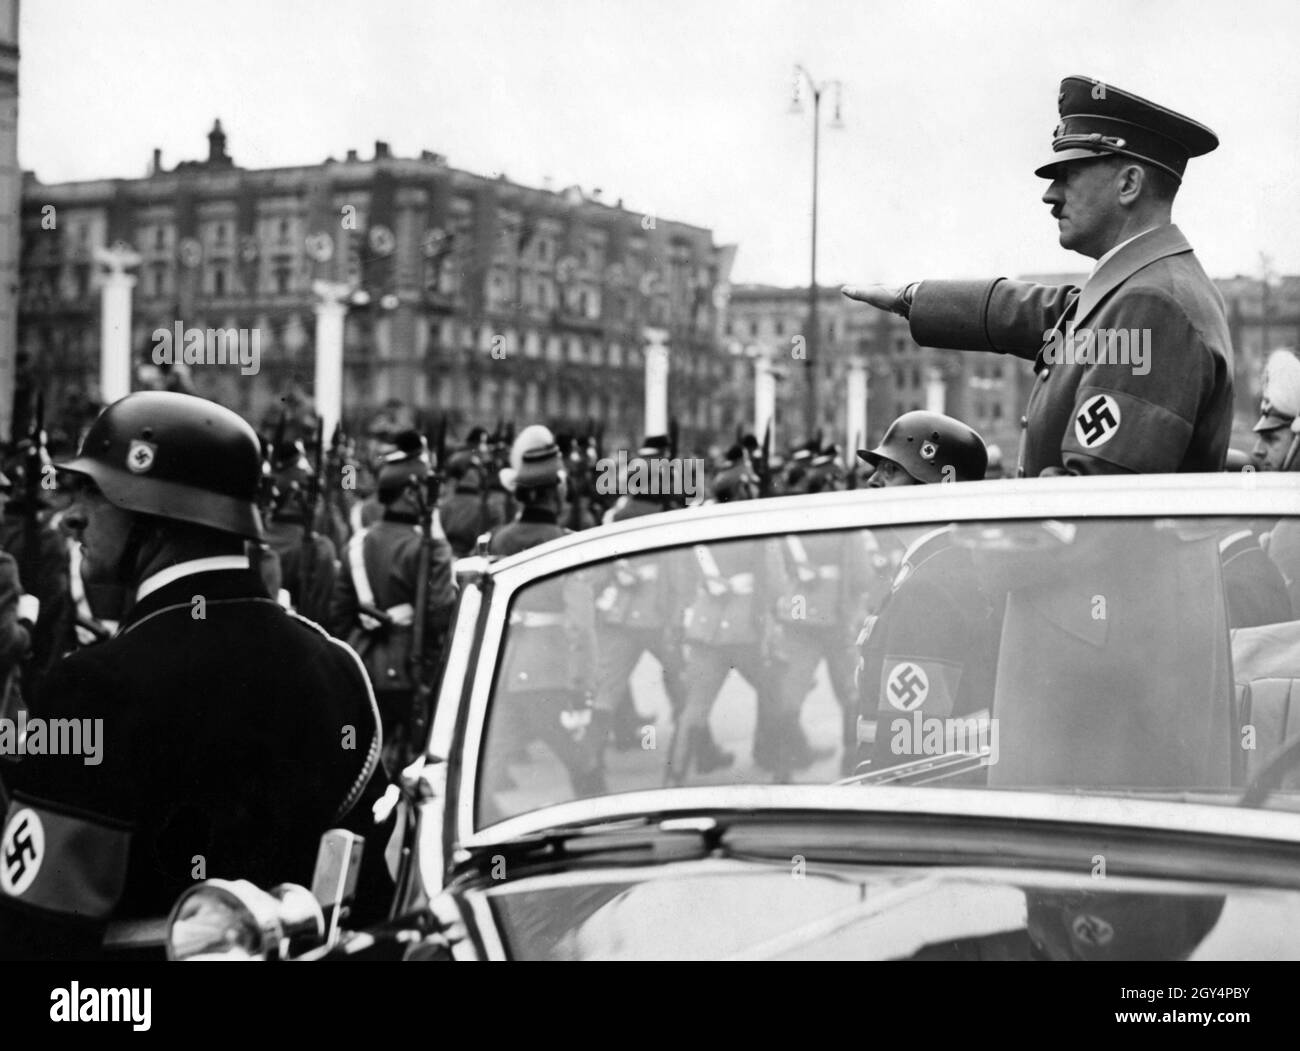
(331, 296)
(117, 260)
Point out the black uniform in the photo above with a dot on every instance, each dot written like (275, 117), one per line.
(930, 653)
(233, 735)
(1252, 585)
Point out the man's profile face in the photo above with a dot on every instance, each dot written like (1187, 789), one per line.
(888, 474)
(1271, 448)
(102, 529)
(1084, 197)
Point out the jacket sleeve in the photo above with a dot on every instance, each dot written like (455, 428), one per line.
(67, 840)
(343, 604)
(1009, 317)
(1140, 416)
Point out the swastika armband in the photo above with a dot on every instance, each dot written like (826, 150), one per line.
(1124, 430)
(908, 684)
(74, 865)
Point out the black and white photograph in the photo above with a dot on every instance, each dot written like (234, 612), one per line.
(549, 480)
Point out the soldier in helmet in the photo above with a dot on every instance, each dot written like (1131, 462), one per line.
(465, 512)
(932, 646)
(374, 595)
(1276, 449)
(548, 675)
(221, 734)
(308, 560)
(830, 574)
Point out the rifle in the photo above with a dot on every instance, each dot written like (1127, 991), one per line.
(764, 463)
(33, 469)
(669, 499)
(310, 503)
(426, 498)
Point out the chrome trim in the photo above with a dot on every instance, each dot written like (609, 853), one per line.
(1029, 806)
(1248, 495)
(485, 926)
(443, 736)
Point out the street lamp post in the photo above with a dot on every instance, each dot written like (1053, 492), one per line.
(812, 338)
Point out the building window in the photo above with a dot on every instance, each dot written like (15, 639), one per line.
(753, 327)
(219, 282)
(283, 278)
(780, 326)
(160, 237)
(221, 233)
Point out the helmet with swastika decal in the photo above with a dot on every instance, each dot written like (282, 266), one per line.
(175, 456)
(931, 447)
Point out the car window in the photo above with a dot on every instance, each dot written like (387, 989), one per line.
(1142, 655)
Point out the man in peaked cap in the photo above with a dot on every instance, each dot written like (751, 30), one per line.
(307, 573)
(231, 733)
(1134, 369)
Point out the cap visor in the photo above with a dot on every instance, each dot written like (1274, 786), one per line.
(1048, 170)
(870, 456)
(1271, 423)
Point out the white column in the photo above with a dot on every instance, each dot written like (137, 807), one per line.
(115, 322)
(764, 396)
(935, 389)
(656, 380)
(855, 415)
(331, 309)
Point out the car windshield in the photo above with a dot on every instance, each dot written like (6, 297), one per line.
(1155, 656)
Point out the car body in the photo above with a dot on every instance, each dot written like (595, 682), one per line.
(1110, 827)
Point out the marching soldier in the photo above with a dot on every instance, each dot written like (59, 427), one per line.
(932, 647)
(548, 681)
(373, 607)
(830, 574)
(638, 611)
(730, 624)
(221, 734)
(1134, 370)
(308, 560)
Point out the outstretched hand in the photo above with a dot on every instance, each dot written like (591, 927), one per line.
(878, 296)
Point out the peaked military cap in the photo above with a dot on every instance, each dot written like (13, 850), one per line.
(1099, 119)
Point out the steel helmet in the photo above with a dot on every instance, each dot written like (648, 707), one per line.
(175, 456)
(925, 443)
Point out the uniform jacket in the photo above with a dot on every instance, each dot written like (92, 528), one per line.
(1252, 584)
(233, 734)
(829, 573)
(933, 646)
(466, 515)
(1114, 666)
(551, 642)
(285, 538)
(736, 587)
(390, 552)
(641, 592)
(1105, 418)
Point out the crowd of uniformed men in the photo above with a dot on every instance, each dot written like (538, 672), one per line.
(262, 672)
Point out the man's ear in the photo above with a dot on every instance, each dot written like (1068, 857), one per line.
(1131, 179)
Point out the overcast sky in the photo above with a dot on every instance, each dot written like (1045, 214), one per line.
(680, 107)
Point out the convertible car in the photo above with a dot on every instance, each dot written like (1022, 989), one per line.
(1034, 719)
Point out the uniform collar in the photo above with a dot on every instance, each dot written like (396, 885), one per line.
(163, 577)
(1130, 257)
(1100, 262)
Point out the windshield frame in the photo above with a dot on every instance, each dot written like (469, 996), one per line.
(1131, 496)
